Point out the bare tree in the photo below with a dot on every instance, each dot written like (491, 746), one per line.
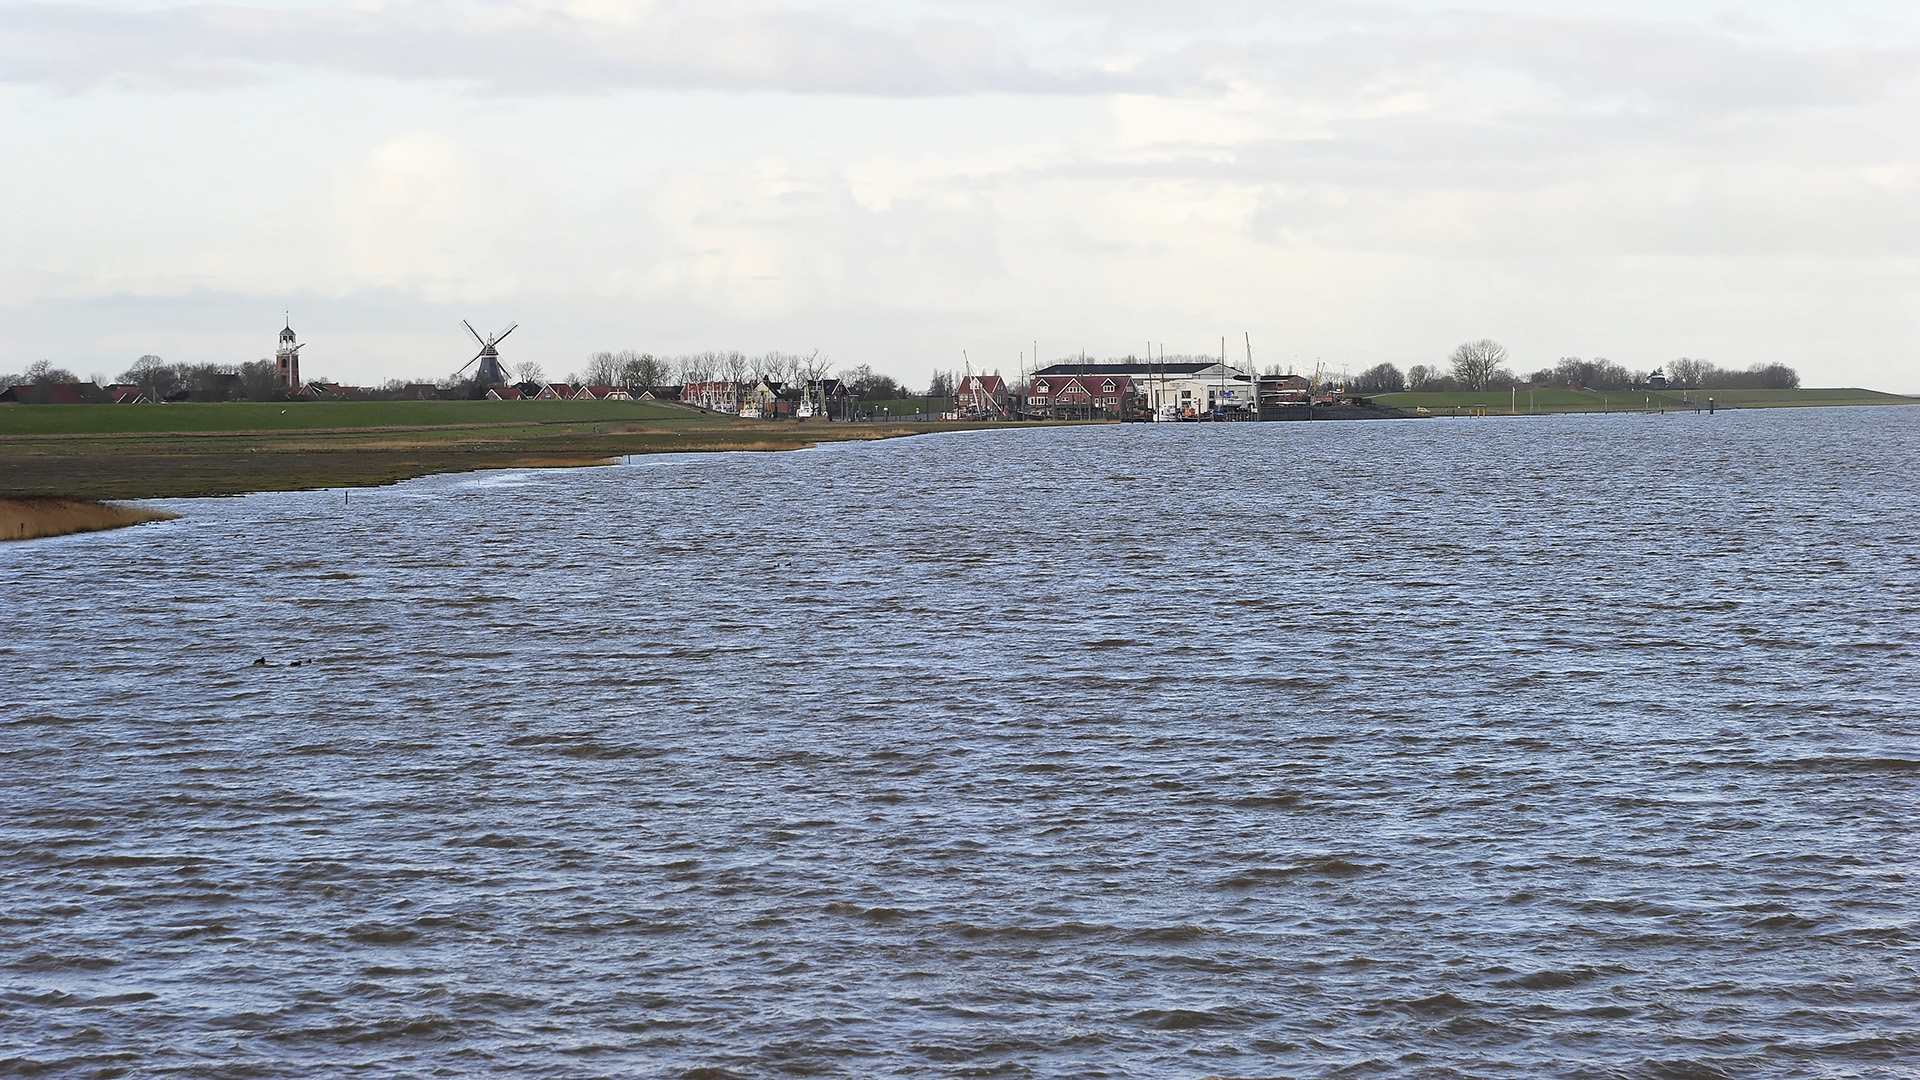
(603, 369)
(734, 363)
(1475, 362)
(260, 381)
(1686, 371)
(43, 373)
(154, 376)
(532, 372)
(1380, 379)
(639, 369)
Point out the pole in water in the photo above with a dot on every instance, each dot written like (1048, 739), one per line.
(1709, 406)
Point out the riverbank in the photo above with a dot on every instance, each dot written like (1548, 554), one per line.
(103, 452)
(1554, 399)
(32, 517)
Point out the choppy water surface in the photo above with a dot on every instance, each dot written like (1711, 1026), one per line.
(1576, 747)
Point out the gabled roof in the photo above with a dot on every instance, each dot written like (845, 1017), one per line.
(505, 393)
(1091, 385)
(1138, 367)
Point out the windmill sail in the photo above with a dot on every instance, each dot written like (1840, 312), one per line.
(491, 371)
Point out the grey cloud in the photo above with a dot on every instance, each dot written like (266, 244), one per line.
(1556, 64)
(525, 49)
(1342, 54)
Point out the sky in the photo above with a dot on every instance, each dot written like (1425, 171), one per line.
(920, 186)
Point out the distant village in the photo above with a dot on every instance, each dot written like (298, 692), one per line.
(789, 386)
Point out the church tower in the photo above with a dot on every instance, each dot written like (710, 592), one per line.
(286, 360)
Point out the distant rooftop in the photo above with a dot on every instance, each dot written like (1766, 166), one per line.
(1138, 367)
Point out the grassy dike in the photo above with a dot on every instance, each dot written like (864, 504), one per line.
(98, 452)
(1558, 400)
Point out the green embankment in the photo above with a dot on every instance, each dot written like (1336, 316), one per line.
(165, 451)
(241, 416)
(906, 406)
(1560, 400)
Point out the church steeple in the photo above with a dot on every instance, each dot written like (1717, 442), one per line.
(286, 359)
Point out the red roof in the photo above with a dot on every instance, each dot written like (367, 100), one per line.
(1081, 387)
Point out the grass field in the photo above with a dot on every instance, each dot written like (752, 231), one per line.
(318, 415)
(906, 406)
(165, 451)
(1556, 400)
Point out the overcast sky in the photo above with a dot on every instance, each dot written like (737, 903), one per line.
(894, 183)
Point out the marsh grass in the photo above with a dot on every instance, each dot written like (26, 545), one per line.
(99, 454)
(31, 517)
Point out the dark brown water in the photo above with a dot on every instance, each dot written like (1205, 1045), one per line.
(1581, 747)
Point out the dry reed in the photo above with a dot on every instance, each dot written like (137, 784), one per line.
(31, 516)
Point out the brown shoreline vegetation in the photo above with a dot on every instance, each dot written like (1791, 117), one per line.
(81, 468)
(31, 517)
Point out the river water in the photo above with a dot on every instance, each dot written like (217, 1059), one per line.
(1582, 746)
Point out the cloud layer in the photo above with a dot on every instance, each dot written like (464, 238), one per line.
(1377, 179)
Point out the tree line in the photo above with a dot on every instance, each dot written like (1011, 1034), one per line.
(1472, 366)
(636, 369)
(1483, 365)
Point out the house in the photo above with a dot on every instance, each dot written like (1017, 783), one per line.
(558, 391)
(504, 393)
(1182, 388)
(1068, 396)
(981, 395)
(602, 393)
(764, 398)
(824, 398)
(125, 394)
(718, 396)
(659, 393)
(59, 393)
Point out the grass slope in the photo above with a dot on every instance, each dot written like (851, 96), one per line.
(141, 452)
(1559, 400)
(906, 406)
(251, 416)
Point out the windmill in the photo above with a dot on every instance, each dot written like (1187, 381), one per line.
(490, 372)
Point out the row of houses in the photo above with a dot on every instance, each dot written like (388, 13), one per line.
(1128, 390)
(568, 392)
(72, 393)
(768, 399)
(1061, 391)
